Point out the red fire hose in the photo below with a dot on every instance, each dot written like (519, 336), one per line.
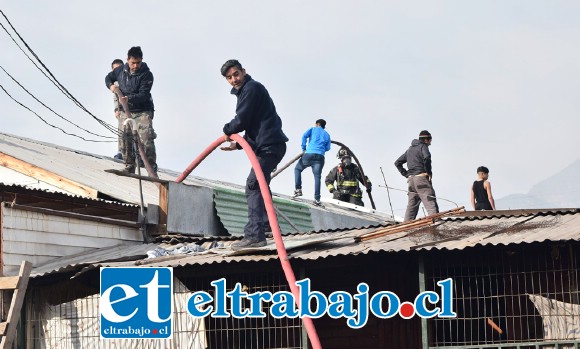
(282, 255)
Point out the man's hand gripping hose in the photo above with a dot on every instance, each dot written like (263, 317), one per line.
(282, 255)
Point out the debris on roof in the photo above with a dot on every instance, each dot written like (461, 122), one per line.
(453, 233)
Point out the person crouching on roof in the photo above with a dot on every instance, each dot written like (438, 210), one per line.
(346, 175)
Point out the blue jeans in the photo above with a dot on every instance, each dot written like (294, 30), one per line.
(316, 161)
(269, 157)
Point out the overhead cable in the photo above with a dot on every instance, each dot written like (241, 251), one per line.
(30, 59)
(54, 80)
(49, 124)
(47, 107)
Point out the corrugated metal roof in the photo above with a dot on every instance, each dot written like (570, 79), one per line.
(232, 210)
(84, 168)
(89, 170)
(97, 255)
(455, 233)
(295, 212)
(9, 187)
(514, 213)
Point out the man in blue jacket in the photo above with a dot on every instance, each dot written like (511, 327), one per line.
(418, 174)
(257, 116)
(135, 81)
(318, 143)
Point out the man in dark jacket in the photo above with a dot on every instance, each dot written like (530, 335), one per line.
(257, 116)
(135, 81)
(346, 175)
(419, 174)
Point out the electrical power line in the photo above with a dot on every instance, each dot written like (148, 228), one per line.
(49, 124)
(52, 78)
(47, 107)
(30, 59)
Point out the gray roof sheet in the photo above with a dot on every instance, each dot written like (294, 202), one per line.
(8, 187)
(89, 170)
(454, 233)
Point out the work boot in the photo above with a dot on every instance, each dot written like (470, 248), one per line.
(247, 243)
(297, 193)
(129, 169)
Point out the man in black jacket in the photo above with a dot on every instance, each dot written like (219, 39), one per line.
(420, 188)
(257, 116)
(135, 81)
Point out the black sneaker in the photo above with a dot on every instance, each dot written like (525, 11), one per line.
(119, 156)
(297, 193)
(247, 243)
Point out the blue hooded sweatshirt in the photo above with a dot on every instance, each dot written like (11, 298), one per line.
(318, 141)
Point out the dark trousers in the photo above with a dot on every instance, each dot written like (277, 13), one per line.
(269, 157)
(355, 200)
(483, 206)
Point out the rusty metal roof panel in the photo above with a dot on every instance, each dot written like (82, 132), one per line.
(537, 229)
(447, 234)
(115, 253)
(480, 215)
(458, 235)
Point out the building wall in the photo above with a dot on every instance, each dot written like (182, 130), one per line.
(507, 285)
(382, 272)
(500, 294)
(397, 273)
(76, 324)
(39, 237)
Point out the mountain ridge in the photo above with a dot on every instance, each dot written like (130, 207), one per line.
(559, 190)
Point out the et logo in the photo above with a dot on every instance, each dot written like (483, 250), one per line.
(136, 302)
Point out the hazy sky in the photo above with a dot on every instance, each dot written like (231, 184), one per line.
(495, 82)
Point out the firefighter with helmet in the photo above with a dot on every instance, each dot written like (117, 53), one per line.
(346, 175)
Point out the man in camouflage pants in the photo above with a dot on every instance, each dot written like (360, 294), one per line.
(119, 156)
(135, 82)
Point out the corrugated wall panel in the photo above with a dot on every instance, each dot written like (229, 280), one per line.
(39, 237)
(232, 210)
